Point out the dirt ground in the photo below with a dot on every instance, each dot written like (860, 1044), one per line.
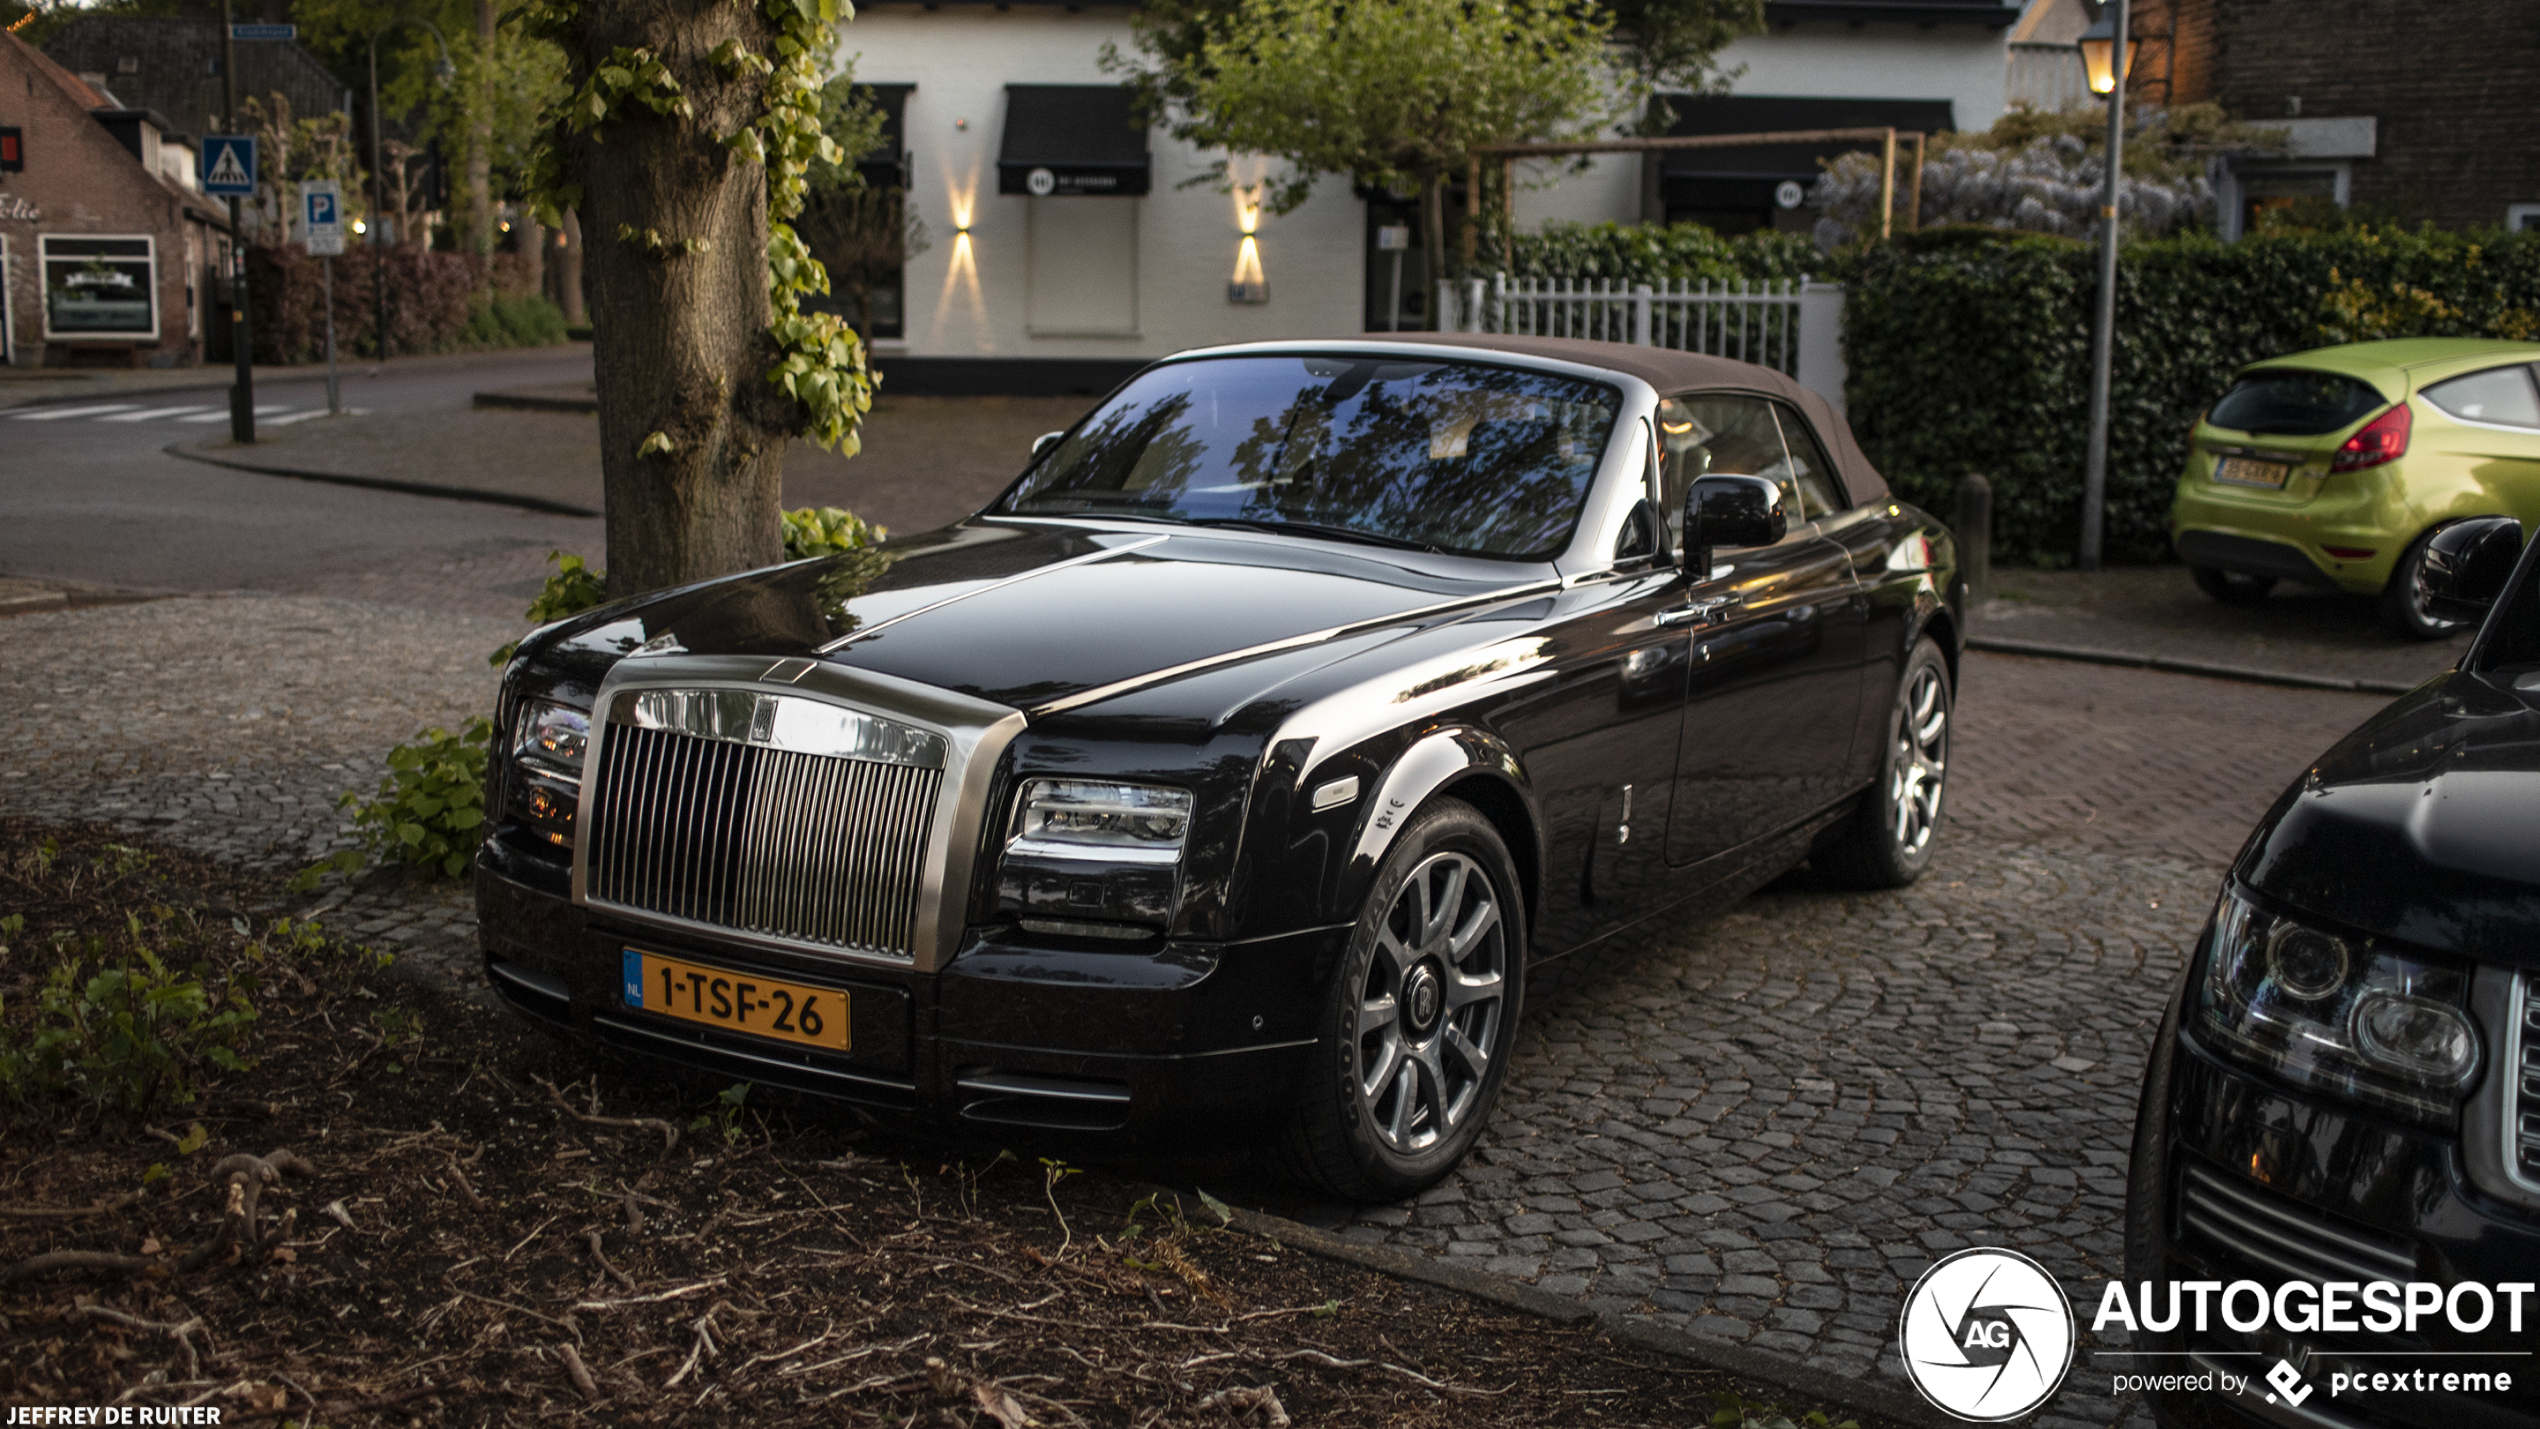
(404, 1208)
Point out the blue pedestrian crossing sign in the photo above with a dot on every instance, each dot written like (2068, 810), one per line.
(229, 164)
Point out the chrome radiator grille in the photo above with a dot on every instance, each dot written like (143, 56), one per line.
(2522, 1117)
(809, 847)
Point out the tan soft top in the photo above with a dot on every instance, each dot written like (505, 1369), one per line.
(1672, 372)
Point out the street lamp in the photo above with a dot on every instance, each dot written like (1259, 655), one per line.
(444, 72)
(2098, 48)
(2113, 59)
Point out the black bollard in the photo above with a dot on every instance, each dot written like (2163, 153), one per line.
(1975, 536)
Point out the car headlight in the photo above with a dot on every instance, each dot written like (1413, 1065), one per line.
(1100, 821)
(552, 736)
(2340, 1015)
(548, 742)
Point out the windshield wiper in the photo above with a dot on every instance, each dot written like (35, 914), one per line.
(1329, 533)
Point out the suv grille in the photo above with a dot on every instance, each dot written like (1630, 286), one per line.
(2284, 1236)
(814, 848)
(2522, 1145)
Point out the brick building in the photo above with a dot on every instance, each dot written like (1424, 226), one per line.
(106, 250)
(2406, 107)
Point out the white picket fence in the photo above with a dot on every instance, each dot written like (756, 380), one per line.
(1793, 326)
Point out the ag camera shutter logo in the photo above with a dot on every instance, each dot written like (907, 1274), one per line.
(1987, 1335)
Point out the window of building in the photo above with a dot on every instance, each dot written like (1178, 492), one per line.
(98, 287)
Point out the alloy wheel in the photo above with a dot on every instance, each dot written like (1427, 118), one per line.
(1921, 760)
(1430, 1011)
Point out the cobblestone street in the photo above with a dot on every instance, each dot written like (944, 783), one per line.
(1760, 1128)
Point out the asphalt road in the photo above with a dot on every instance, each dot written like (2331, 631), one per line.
(92, 498)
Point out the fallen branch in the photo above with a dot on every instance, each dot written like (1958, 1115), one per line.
(70, 1213)
(1260, 1397)
(578, 1372)
(622, 1278)
(475, 1202)
(241, 1225)
(669, 1133)
(183, 1334)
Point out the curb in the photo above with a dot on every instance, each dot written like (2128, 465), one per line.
(531, 402)
(375, 483)
(1844, 1391)
(2211, 669)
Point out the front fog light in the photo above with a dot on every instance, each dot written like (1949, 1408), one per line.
(1091, 819)
(2425, 1038)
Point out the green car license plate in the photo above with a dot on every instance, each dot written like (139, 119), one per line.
(2249, 471)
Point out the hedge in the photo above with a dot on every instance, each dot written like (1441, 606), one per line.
(433, 303)
(1969, 351)
(1652, 253)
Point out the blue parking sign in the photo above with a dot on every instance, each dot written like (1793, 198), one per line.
(229, 164)
(321, 209)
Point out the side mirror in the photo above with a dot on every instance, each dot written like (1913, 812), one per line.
(1045, 441)
(2467, 564)
(1731, 511)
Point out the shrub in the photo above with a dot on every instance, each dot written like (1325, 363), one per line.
(827, 531)
(430, 808)
(125, 1034)
(503, 322)
(1652, 253)
(427, 307)
(573, 589)
(1969, 351)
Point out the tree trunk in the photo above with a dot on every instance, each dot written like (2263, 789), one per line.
(1433, 241)
(680, 309)
(480, 139)
(569, 270)
(529, 237)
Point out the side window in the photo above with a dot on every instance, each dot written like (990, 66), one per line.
(1820, 491)
(1715, 436)
(2502, 395)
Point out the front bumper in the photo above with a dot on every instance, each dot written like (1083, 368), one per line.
(1175, 1045)
(2260, 1183)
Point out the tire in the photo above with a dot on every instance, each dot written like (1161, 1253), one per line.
(2403, 601)
(2231, 587)
(1393, 1102)
(1887, 842)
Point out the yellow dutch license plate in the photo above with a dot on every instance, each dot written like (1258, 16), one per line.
(737, 1001)
(2248, 471)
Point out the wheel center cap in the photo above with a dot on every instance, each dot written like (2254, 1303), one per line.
(1422, 996)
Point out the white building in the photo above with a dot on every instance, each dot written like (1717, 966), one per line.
(1065, 249)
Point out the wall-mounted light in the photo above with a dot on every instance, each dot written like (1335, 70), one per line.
(2098, 45)
(1249, 285)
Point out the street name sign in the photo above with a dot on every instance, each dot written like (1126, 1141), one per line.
(264, 32)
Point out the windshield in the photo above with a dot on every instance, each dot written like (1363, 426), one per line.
(1446, 456)
(2294, 404)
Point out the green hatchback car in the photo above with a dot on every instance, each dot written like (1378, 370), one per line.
(2333, 467)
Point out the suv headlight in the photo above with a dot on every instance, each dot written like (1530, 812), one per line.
(548, 742)
(1100, 821)
(2340, 1015)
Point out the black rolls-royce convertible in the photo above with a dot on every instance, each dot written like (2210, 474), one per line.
(1225, 778)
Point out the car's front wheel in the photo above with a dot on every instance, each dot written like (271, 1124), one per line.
(1422, 1015)
(2406, 607)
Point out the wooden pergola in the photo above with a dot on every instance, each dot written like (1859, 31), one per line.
(1509, 155)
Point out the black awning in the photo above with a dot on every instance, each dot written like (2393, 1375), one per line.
(1083, 139)
(887, 166)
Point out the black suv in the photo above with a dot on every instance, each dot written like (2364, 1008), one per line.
(2343, 1103)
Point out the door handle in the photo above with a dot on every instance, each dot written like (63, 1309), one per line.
(1715, 611)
